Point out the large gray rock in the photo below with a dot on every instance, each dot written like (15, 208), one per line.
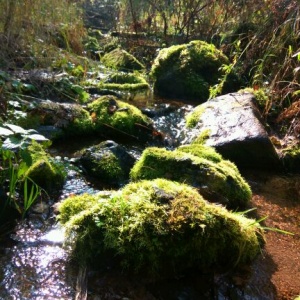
(232, 124)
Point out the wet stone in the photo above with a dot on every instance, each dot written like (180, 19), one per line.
(235, 128)
(108, 161)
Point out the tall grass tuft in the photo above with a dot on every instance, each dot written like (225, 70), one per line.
(31, 31)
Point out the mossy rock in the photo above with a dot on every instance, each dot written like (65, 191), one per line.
(68, 119)
(290, 158)
(120, 59)
(187, 71)
(233, 125)
(218, 181)
(129, 82)
(44, 171)
(108, 161)
(158, 228)
(119, 119)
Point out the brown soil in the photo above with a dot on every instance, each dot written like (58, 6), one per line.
(278, 199)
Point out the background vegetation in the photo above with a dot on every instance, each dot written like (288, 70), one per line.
(260, 37)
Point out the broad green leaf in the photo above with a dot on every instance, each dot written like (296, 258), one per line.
(25, 155)
(16, 84)
(5, 132)
(13, 143)
(37, 137)
(40, 139)
(15, 128)
(4, 75)
(28, 87)
(22, 168)
(31, 131)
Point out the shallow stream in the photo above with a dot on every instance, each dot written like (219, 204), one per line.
(34, 265)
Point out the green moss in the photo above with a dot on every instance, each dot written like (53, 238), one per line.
(202, 137)
(125, 82)
(202, 151)
(121, 60)
(218, 181)
(107, 161)
(108, 167)
(167, 58)
(188, 71)
(193, 117)
(125, 118)
(290, 157)
(74, 205)
(260, 95)
(45, 172)
(159, 228)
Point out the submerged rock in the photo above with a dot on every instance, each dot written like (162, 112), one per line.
(218, 180)
(108, 161)
(232, 124)
(158, 228)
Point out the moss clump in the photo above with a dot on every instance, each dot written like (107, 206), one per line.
(121, 60)
(109, 167)
(118, 117)
(290, 158)
(202, 137)
(261, 96)
(158, 228)
(125, 82)
(187, 71)
(193, 117)
(202, 151)
(218, 181)
(45, 172)
(108, 161)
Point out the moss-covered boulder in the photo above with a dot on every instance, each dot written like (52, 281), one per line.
(108, 161)
(121, 60)
(118, 118)
(188, 71)
(218, 180)
(160, 228)
(130, 82)
(44, 171)
(129, 86)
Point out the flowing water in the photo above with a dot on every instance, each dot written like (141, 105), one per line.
(34, 264)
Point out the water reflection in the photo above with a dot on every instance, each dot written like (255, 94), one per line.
(36, 272)
(35, 267)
